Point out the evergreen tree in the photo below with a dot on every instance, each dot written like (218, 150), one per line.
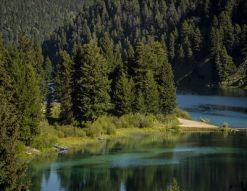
(46, 76)
(172, 46)
(92, 100)
(167, 90)
(11, 168)
(150, 93)
(63, 84)
(49, 102)
(107, 49)
(123, 95)
(27, 94)
(139, 106)
(224, 65)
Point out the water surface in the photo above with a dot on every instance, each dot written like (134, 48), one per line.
(199, 162)
(216, 106)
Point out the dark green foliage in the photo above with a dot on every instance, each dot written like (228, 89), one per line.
(123, 94)
(185, 26)
(11, 169)
(63, 86)
(46, 76)
(49, 100)
(9, 165)
(34, 17)
(91, 89)
(21, 79)
(154, 79)
(26, 93)
(150, 93)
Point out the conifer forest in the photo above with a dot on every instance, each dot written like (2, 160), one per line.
(74, 65)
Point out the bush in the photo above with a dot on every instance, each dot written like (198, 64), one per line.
(70, 131)
(144, 121)
(104, 125)
(94, 131)
(46, 138)
(181, 113)
(56, 110)
(170, 121)
(135, 120)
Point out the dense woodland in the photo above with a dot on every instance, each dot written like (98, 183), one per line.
(91, 83)
(206, 40)
(108, 58)
(35, 17)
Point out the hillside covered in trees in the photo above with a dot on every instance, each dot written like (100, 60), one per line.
(205, 40)
(35, 17)
(107, 59)
(91, 84)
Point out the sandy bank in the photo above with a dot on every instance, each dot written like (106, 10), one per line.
(185, 123)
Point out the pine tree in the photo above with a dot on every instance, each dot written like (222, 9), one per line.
(9, 167)
(92, 100)
(107, 49)
(167, 90)
(139, 104)
(197, 40)
(63, 84)
(150, 93)
(27, 94)
(46, 76)
(49, 102)
(123, 95)
(77, 90)
(172, 46)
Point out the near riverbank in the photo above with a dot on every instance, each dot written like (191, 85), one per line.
(168, 128)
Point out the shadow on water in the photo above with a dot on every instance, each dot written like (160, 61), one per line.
(200, 161)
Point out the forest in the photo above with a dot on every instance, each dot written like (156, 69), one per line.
(108, 58)
(205, 40)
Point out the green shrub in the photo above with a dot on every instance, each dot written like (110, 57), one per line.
(181, 113)
(104, 125)
(169, 121)
(145, 121)
(70, 131)
(110, 130)
(135, 120)
(93, 131)
(56, 110)
(47, 136)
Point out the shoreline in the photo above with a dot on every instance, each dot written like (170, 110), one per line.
(160, 132)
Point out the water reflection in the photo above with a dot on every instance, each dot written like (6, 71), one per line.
(198, 162)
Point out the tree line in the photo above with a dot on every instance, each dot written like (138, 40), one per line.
(94, 81)
(90, 83)
(23, 87)
(206, 40)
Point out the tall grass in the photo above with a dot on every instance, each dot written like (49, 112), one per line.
(104, 125)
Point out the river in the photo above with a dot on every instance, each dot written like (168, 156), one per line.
(216, 106)
(198, 161)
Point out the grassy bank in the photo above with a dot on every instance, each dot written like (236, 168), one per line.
(132, 126)
(106, 127)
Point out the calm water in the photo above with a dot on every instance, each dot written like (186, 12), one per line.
(216, 106)
(199, 162)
